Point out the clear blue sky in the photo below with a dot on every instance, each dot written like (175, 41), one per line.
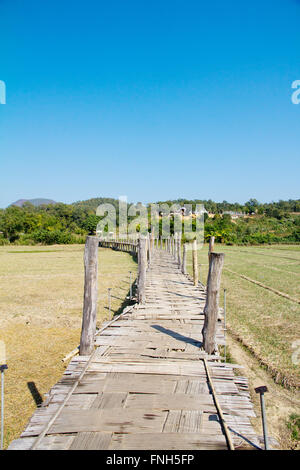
(149, 99)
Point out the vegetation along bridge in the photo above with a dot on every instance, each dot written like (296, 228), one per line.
(154, 380)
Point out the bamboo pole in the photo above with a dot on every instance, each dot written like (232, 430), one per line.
(220, 412)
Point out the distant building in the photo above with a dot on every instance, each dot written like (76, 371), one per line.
(185, 212)
(234, 215)
(201, 212)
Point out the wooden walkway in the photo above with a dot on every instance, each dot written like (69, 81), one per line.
(146, 385)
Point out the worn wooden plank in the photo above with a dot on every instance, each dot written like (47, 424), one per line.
(129, 383)
(172, 422)
(91, 441)
(190, 421)
(179, 401)
(113, 420)
(110, 400)
(167, 441)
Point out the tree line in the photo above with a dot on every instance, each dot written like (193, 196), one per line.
(276, 222)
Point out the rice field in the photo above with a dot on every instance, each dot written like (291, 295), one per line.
(41, 292)
(41, 296)
(263, 320)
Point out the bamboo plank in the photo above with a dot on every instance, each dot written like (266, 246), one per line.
(169, 402)
(91, 441)
(113, 420)
(167, 441)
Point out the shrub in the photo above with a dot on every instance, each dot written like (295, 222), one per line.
(3, 241)
(51, 237)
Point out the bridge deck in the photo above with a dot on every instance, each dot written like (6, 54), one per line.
(146, 386)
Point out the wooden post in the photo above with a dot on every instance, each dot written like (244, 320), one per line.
(183, 264)
(142, 266)
(149, 247)
(179, 250)
(88, 329)
(195, 262)
(152, 241)
(211, 308)
(211, 246)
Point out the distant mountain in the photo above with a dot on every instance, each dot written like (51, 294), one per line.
(35, 202)
(93, 203)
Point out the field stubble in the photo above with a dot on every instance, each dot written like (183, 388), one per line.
(41, 297)
(263, 326)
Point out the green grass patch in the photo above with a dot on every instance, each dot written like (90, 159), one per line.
(293, 425)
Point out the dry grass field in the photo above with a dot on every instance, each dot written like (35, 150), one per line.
(263, 326)
(41, 295)
(265, 321)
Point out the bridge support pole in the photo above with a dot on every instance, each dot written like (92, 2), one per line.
(195, 262)
(152, 241)
(149, 249)
(142, 266)
(90, 296)
(175, 246)
(211, 308)
(179, 250)
(211, 246)
(183, 264)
